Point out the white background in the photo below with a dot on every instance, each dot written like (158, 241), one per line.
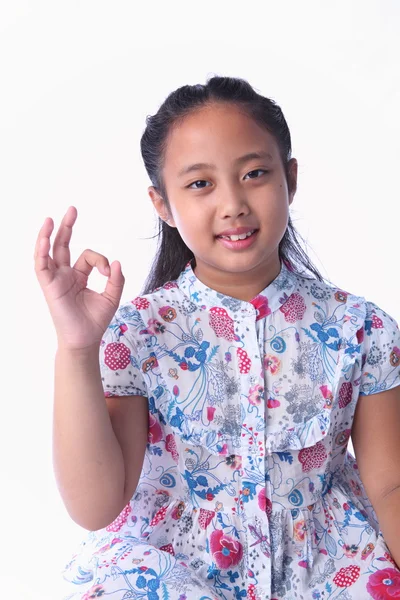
(77, 80)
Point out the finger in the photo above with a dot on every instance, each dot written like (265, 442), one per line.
(44, 232)
(88, 260)
(61, 252)
(44, 267)
(115, 284)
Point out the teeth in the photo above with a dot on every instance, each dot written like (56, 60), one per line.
(235, 238)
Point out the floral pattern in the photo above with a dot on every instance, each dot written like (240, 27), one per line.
(248, 490)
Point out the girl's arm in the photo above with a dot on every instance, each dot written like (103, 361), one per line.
(97, 452)
(376, 440)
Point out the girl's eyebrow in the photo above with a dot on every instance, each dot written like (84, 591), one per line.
(238, 161)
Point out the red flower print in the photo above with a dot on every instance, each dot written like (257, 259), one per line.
(222, 323)
(260, 303)
(360, 335)
(312, 457)
(155, 431)
(256, 394)
(384, 584)
(168, 548)
(294, 308)
(244, 361)
(210, 496)
(377, 322)
(159, 516)
(345, 394)
(170, 446)
(184, 366)
(117, 356)
(141, 303)
(264, 503)
(346, 576)
(169, 285)
(272, 363)
(205, 518)
(122, 518)
(227, 552)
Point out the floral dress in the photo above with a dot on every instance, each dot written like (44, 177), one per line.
(247, 488)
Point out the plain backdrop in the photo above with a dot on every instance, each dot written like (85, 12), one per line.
(77, 80)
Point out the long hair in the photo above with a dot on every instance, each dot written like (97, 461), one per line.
(172, 254)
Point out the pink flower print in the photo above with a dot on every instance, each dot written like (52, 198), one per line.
(155, 431)
(357, 491)
(155, 327)
(350, 551)
(346, 576)
(341, 296)
(256, 394)
(312, 457)
(97, 591)
(167, 313)
(345, 394)
(299, 531)
(234, 461)
(117, 356)
(141, 303)
(264, 502)
(222, 323)
(177, 511)
(122, 518)
(343, 437)
(395, 357)
(294, 308)
(210, 412)
(226, 550)
(273, 403)
(272, 363)
(244, 361)
(170, 446)
(260, 303)
(328, 396)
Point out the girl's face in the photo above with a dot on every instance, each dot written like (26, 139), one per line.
(212, 187)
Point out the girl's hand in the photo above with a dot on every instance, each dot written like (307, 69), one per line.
(80, 315)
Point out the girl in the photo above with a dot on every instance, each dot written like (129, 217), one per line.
(206, 451)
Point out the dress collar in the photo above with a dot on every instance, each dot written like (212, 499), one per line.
(264, 304)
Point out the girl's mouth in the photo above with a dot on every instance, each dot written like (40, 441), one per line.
(236, 244)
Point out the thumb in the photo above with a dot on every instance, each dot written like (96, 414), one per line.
(115, 283)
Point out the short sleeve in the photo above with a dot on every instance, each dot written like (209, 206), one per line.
(381, 352)
(120, 368)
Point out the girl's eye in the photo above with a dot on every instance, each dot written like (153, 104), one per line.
(204, 181)
(256, 171)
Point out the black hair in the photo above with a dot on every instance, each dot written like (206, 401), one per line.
(172, 253)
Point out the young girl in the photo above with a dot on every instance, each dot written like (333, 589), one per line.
(206, 451)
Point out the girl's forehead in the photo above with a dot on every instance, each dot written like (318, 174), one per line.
(221, 130)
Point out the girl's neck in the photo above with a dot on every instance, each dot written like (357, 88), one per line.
(244, 285)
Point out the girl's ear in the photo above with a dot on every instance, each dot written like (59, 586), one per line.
(160, 206)
(292, 172)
